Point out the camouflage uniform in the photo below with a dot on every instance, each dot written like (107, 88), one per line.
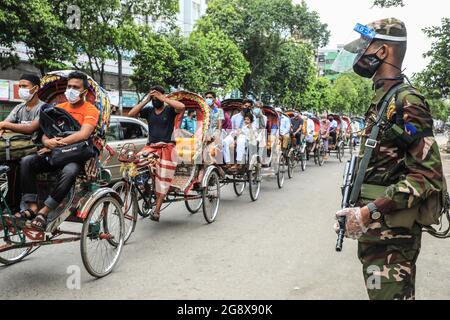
(390, 254)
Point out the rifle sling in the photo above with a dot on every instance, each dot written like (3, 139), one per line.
(364, 164)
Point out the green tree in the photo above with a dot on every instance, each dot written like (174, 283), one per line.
(352, 94)
(38, 25)
(209, 59)
(156, 62)
(319, 96)
(126, 34)
(260, 28)
(436, 76)
(388, 3)
(290, 75)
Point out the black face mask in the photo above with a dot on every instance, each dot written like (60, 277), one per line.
(368, 65)
(157, 104)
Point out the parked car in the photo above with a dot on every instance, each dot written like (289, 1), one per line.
(124, 130)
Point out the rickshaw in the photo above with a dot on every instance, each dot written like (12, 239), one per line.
(90, 204)
(339, 147)
(273, 162)
(249, 173)
(297, 155)
(361, 124)
(316, 146)
(196, 181)
(347, 133)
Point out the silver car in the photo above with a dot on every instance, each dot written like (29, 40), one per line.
(124, 130)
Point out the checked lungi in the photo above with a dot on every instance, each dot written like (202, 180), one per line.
(165, 166)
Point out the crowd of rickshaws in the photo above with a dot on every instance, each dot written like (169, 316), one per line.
(105, 216)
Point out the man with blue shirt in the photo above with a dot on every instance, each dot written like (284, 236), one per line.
(285, 129)
(189, 124)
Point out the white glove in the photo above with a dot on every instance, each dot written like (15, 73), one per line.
(354, 226)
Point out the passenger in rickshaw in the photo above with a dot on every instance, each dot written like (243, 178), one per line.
(310, 126)
(161, 120)
(333, 131)
(226, 124)
(260, 120)
(355, 131)
(325, 134)
(216, 114)
(24, 118)
(214, 133)
(87, 116)
(237, 122)
(189, 124)
(245, 137)
(285, 130)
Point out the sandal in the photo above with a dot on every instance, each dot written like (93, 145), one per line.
(39, 222)
(26, 214)
(154, 217)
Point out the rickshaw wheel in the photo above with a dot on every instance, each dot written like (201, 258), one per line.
(254, 182)
(130, 206)
(291, 164)
(281, 171)
(194, 206)
(321, 156)
(341, 151)
(238, 187)
(102, 236)
(211, 197)
(15, 255)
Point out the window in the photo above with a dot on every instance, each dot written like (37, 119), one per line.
(113, 132)
(196, 12)
(132, 130)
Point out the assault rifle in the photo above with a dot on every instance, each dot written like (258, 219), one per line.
(349, 174)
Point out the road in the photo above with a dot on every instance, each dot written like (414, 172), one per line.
(280, 247)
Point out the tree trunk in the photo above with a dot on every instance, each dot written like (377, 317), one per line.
(247, 85)
(102, 75)
(91, 67)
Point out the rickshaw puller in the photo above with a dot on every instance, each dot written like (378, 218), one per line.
(161, 121)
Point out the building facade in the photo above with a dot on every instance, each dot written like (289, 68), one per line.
(325, 60)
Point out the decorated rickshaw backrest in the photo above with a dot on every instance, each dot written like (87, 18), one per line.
(53, 86)
(195, 102)
(272, 117)
(232, 106)
(189, 149)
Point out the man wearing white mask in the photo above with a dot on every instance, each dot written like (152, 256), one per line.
(24, 118)
(86, 114)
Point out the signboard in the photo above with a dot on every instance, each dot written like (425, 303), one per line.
(129, 99)
(4, 90)
(114, 97)
(14, 94)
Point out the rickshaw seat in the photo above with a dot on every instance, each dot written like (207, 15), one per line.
(186, 148)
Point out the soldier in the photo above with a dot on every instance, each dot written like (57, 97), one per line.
(404, 174)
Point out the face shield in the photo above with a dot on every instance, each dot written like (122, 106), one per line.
(354, 50)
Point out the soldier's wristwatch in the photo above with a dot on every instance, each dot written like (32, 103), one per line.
(374, 213)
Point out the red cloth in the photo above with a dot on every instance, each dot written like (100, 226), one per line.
(226, 124)
(165, 166)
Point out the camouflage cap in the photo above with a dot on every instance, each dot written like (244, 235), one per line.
(390, 29)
